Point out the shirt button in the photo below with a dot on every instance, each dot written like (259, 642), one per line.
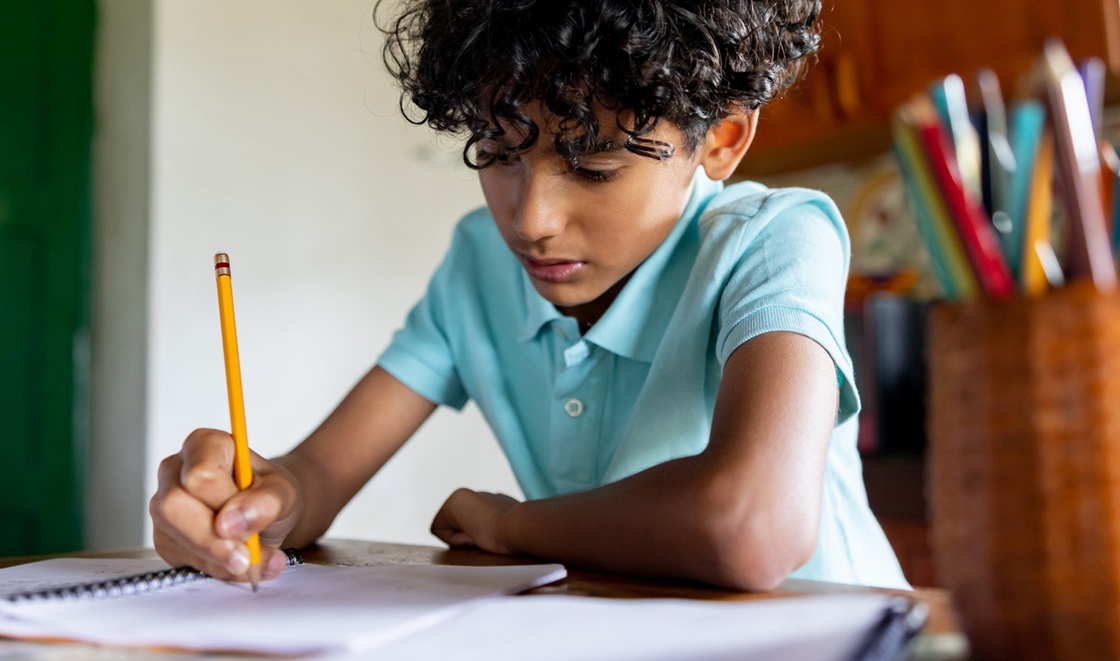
(573, 407)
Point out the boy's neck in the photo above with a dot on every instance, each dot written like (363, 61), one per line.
(586, 314)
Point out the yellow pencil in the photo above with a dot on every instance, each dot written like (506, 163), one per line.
(242, 471)
(1033, 269)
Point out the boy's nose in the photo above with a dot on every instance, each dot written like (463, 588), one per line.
(540, 214)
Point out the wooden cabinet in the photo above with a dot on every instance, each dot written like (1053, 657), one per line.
(878, 53)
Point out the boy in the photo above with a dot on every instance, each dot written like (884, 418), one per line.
(661, 358)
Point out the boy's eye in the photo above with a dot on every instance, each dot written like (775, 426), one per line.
(503, 157)
(493, 154)
(597, 176)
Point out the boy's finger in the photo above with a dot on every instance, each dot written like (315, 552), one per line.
(273, 562)
(251, 511)
(207, 467)
(225, 559)
(187, 545)
(184, 534)
(167, 475)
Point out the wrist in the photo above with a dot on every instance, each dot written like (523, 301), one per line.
(509, 531)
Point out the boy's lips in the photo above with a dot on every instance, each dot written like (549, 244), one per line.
(551, 270)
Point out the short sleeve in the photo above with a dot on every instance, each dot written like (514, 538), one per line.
(420, 354)
(791, 277)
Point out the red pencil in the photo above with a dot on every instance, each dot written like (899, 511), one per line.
(976, 231)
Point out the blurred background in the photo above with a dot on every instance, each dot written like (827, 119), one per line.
(139, 137)
(142, 137)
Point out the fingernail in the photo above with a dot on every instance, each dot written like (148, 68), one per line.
(238, 562)
(233, 524)
(249, 513)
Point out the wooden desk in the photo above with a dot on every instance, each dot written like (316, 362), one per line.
(941, 639)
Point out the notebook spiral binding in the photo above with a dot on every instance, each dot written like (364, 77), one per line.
(126, 585)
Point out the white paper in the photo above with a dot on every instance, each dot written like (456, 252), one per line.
(562, 628)
(308, 609)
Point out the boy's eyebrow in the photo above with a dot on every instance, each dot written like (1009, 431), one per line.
(607, 145)
(603, 146)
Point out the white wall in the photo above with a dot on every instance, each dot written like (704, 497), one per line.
(276, 138)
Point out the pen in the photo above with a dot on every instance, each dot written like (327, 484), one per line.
(1000, 159)
(242, 471)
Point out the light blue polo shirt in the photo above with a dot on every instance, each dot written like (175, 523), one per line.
(576, 411)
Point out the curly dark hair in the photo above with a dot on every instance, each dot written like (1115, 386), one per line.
(469, 66)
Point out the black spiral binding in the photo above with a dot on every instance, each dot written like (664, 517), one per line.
(126, 585)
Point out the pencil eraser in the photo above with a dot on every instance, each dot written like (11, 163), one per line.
(221, 263)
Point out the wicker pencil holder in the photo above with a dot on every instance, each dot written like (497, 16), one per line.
(1024, 472)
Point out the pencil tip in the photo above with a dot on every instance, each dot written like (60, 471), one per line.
(255, 577)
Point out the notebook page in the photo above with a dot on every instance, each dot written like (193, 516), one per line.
(309, 609)
(809, 628)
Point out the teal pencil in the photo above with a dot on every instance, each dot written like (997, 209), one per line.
(1026, 120)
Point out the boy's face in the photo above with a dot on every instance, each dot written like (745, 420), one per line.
(580, 231)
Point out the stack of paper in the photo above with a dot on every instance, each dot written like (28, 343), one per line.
(420, 612)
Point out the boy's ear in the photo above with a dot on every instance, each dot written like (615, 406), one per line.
(727, 143)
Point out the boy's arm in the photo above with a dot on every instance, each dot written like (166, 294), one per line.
(742, 514)
(354, 442)
(198, 514)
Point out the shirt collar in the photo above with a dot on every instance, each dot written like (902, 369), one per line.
(538, 311)
(645, 302)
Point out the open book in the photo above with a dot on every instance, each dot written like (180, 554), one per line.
(308, 609)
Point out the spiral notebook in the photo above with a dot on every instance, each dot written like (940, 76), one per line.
(309, 609)
(80, 587)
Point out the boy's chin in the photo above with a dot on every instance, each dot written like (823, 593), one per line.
(564, 296)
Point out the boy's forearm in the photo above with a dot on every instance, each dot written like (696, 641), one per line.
(373, 421)
(673, 520)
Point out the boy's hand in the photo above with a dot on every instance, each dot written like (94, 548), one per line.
(201, 519)
(472, 518)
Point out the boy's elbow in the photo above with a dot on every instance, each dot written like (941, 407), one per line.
(754, 552)
(758, 570)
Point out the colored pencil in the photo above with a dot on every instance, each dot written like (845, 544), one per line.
(946, 252)
(1036, 233)
(974, 227)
